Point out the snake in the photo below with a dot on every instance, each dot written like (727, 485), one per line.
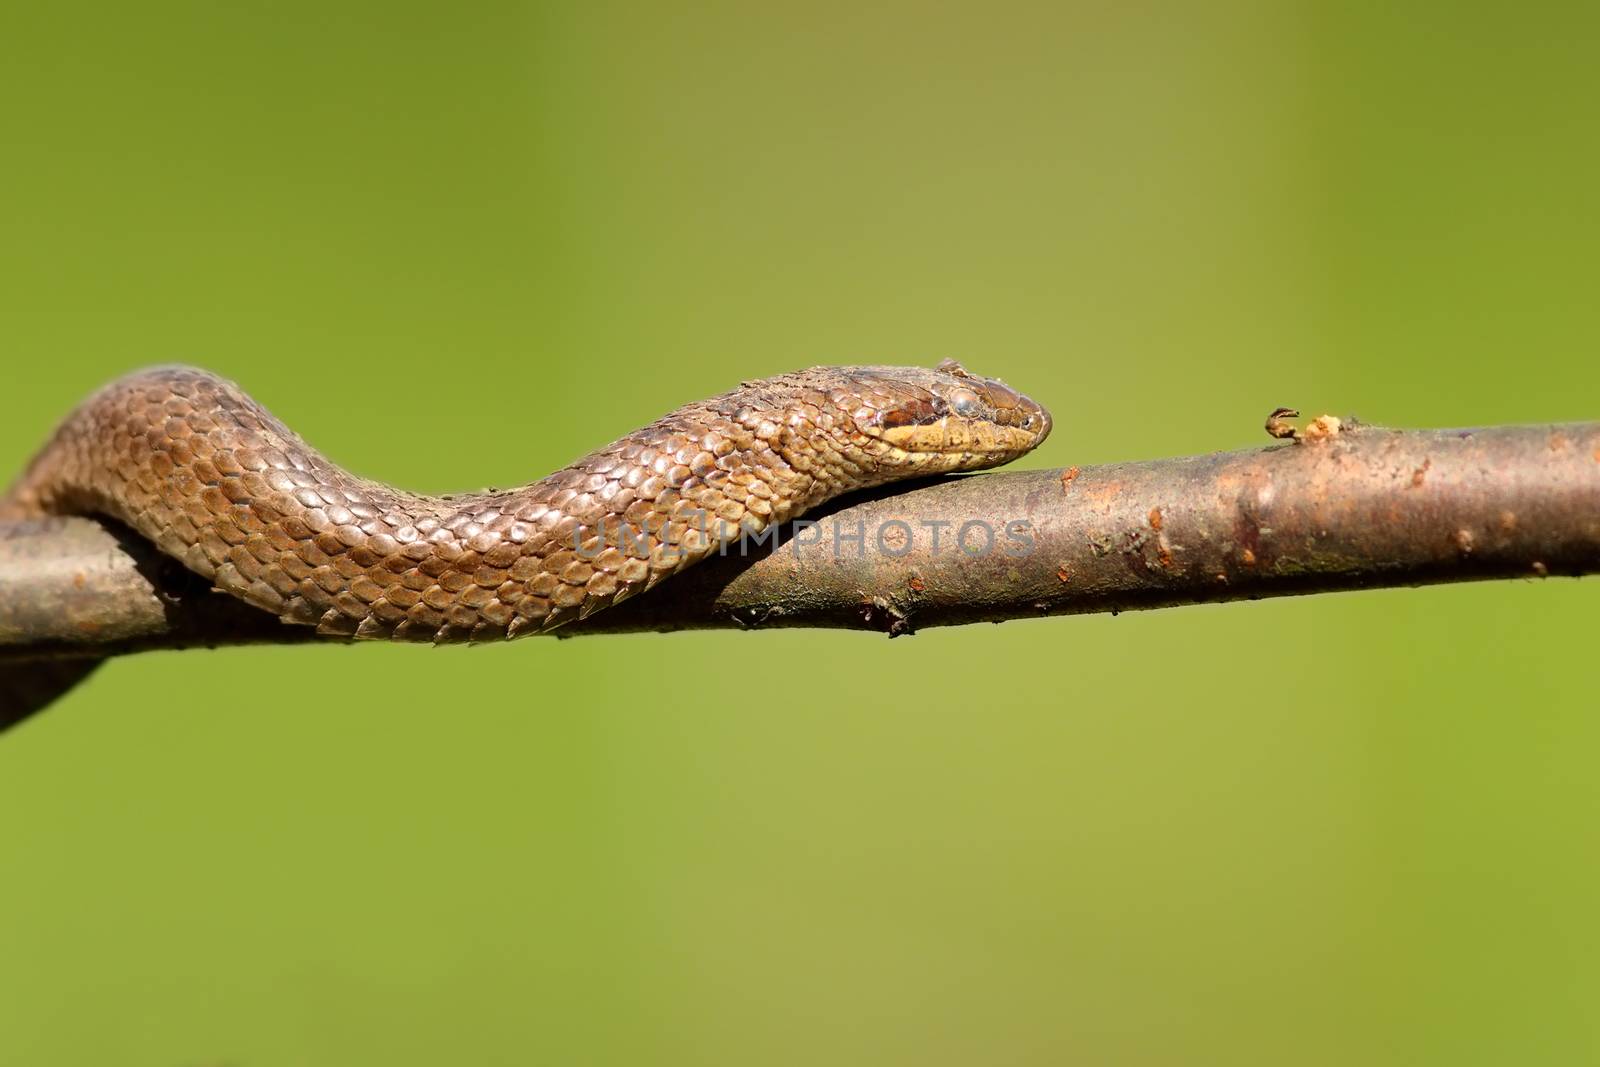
(188, 460)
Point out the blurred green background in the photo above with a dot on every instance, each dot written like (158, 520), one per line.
(458, 245)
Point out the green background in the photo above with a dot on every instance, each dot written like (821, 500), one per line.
(458, 245)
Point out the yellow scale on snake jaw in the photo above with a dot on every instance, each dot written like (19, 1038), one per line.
(189, 461)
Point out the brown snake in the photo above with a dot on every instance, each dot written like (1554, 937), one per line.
(193, 464)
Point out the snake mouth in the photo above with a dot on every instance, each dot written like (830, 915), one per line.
(952, 435)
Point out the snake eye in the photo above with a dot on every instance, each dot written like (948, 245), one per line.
(964, 402)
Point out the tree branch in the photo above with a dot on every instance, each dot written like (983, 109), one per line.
(1333, 509)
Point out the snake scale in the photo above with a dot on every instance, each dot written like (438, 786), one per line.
(189, 461)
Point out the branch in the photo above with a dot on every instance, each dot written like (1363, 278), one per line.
(1334, 509)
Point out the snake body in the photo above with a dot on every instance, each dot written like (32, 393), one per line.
(192, 463)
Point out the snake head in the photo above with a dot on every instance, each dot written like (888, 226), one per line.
(944, 419)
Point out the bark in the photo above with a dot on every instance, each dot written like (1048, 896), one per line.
(1334, 507)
